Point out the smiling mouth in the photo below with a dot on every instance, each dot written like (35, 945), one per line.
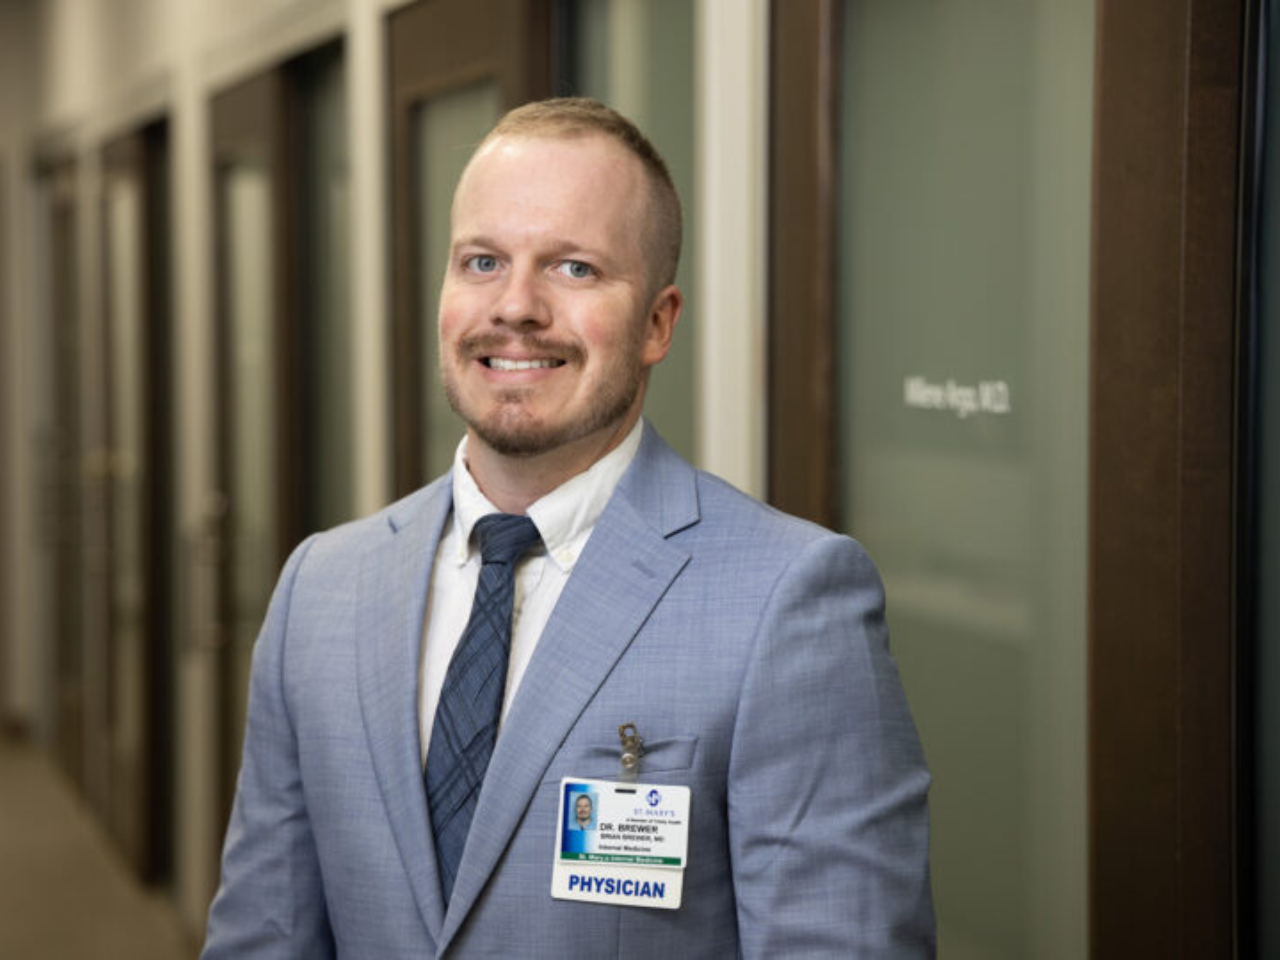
(501, 363)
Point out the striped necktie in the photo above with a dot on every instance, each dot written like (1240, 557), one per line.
(466, 722)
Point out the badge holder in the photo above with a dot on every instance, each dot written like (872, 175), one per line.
(621, 842)
(632, 753)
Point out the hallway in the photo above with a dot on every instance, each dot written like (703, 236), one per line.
(64, 891)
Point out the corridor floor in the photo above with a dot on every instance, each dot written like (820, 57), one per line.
(65, 893)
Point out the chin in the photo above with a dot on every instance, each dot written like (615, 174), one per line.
(512, 431)
(528, 442)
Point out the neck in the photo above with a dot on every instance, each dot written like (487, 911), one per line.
(512, 484)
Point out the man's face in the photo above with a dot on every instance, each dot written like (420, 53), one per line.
(584, 809)
(548, 323)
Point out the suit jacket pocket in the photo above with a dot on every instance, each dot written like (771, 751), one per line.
(600, 761)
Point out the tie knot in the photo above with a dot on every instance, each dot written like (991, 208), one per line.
(504, 537)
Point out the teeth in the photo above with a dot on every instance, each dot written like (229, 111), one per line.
(498, 363)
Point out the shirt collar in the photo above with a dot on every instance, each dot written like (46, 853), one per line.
(564, 517)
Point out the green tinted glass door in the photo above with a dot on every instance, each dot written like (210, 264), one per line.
(246, 207)
(127, 471)
(962, 382)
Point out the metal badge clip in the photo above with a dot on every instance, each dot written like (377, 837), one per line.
(632, 751)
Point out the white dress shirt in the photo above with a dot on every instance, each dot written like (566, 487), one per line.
(565, 518)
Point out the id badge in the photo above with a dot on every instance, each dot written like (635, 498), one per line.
(621, 843)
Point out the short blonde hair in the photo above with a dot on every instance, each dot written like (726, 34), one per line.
(570, 117)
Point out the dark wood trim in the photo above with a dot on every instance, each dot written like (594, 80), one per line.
(1166, 156)
(287, 198)
(435, 45)
(162, 528)
(802, 230)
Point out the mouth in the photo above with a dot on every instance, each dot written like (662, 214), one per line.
(504, 363)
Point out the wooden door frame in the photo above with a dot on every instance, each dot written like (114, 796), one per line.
(433, 45)
(1167, 154)
(1163, 299)
(801, 417)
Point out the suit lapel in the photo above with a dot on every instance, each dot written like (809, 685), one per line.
(393, 590)
(624, 571)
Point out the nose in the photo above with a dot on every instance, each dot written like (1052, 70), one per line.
(521, 302)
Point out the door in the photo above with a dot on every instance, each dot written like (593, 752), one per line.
(282, 358)
(455, 67)
(257, 437)
(1002, 303)
(140, 528)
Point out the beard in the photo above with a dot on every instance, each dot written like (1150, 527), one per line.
(509, 428)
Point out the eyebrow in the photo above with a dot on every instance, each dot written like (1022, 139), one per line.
(474, 241)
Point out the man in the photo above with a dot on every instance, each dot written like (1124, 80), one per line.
(746, 649)
(582, 813)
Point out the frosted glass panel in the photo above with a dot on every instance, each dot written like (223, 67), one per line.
(637, 56)
(447, 129)
(963, 280)
(250, 293)
(128, 467)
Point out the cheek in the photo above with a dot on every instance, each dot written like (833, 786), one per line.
(451, 317)
(610, 329)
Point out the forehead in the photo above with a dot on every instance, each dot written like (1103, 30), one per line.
(582, 184)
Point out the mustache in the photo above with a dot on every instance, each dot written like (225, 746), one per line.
(477, 345)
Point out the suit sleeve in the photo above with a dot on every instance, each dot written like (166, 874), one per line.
(828, 820)
(271, 900)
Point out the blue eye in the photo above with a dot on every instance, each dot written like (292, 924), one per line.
(577, 269)
(482, 263)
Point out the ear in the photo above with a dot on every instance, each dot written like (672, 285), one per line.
(660, 323)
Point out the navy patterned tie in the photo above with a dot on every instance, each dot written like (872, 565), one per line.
(466, 723)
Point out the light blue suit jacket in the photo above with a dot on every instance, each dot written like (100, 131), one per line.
(748, 647)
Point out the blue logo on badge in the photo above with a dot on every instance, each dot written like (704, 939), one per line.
(654, 798)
